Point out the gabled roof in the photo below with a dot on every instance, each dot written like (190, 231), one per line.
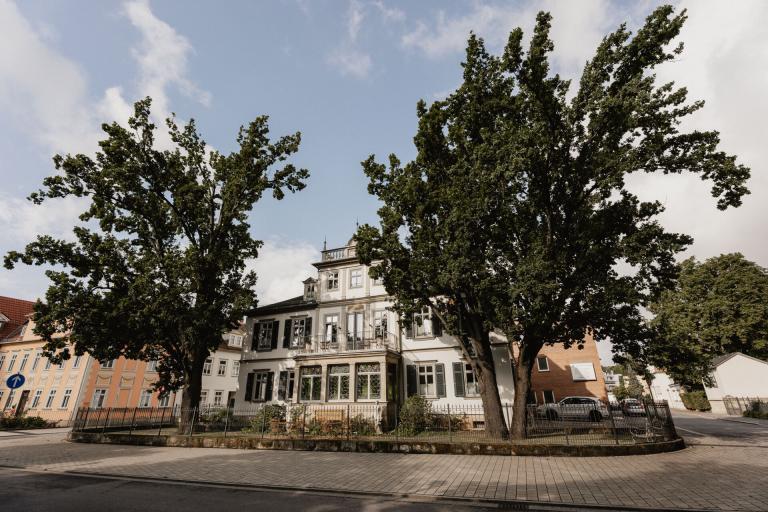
(294, 304)
(15, 311)
(721, 359)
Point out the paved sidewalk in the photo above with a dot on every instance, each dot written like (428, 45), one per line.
(701, 477)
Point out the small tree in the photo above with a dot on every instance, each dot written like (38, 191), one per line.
(157, 272)
(717, 307)
(515, 212)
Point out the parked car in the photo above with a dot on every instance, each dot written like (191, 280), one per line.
(632, 407)
(586, 408)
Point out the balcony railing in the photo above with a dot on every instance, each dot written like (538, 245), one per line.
(341, 343)
(339, 254)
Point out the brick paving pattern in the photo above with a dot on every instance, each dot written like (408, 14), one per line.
(700, 477)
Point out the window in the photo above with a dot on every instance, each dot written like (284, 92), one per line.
(217, 397)
(297, 332)
(368, 381)
(464, 374)
(549, 396)
(11, 395)
(152, 366)
(99, 396)
(47, 364)
(35, 361)
(331, 328)
(338, 382)
(262, 386)
(543, 363)
(76, 362)
(60, 366)
(235, 368)
(380, 328)
(222, 371)
(236, 340)
(356, 278)
(35, 398)
(2, 360)
(354, 329)
(427, 380)
(207, 366)
(422, 322)
(24, 360)
(49, 400)
(583, 371)
(108, 364)
(265, 335)
(285, 385)
(65, 400)
(311, 382)
(12, 362)
(333, 280)
(164, 400)
(203, 397)
(145, 400)
(1, 397)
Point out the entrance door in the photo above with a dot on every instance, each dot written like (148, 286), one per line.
(354, 330)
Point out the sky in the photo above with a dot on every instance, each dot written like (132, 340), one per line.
(347, 74)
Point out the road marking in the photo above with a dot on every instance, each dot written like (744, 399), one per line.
(691, 431)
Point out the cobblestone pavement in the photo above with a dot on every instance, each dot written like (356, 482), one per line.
(700, 477)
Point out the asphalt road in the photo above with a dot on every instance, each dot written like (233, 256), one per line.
(703, 428)
(40, 492)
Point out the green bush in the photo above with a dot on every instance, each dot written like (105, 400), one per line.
(24, 422)
(362, 426)
(757, 409)
(415, 415)
(260, 422)
(214, 416)
(441, 422)
(695, 401)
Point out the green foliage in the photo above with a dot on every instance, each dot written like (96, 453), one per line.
(156, 270)
(415, 415)
(718, 307)
(362, 426)
(757, 409)
(515, 210)
(214, 416)
(22, 422)
(695, 401)
(260, 422)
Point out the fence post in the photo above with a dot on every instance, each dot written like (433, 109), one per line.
(226, 422)
(397, 423)
(160, 428)
(304, 421)
(509, 423)
(613, 423)
(349, 424)
(192, 422)
(133, 420)
(106, 419)
(85, 420)
(450, 433)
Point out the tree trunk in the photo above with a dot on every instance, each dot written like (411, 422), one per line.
(493, 412)
(190, 395)
(522, 377)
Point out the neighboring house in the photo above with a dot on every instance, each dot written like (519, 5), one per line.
(736, 375)
(339, 343)
(664, 388)
(222, 370)
(123, 382)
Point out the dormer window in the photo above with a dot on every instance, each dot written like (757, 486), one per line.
(309, 289)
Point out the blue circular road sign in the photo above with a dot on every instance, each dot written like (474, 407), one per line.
(15, 381)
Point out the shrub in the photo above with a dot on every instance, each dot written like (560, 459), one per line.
(260, 422)
(441, 422)
(415, 415)
(362, 426)
(695, 401)
(24, 422)
(214, 416)
(757, 409)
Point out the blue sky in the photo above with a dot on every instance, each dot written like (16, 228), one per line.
(347, 74)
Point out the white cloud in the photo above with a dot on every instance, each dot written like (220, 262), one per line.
(348, 58)
(281, 266)
(389, 13)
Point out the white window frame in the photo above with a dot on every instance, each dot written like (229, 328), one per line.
(35, 398)
(380, 324)
(11, 396)
(331, 328)
(235, 340)
(221, 370)
(108, 365)
(207, 366)
(145, 399)
(544, 396)
(47, 365)
(203, 396)
(12, 362)
(2, 361)
(539, 359)
(23, 363)
(260, 384)
(35, 361)
(336, 376)
(152, 365)
(65, 398)
(423, 330)
(235, 368)
(356, 278)
(164, 400)
(298, 332)
(315, 383)
(76, 362)
(218, 397)
(265, 334)
(332, 280)
(468, 374)
(51, 398)
(362, 376)
(423, 373)
(99, 397)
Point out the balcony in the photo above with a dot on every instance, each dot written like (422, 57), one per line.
(338, 343)
(339, 254)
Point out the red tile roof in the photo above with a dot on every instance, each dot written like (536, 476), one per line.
(16, 310)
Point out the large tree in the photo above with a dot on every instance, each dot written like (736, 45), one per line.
(515, 213)
(157, 268)
(717, 307)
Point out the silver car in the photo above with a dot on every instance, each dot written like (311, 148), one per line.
(583, 408)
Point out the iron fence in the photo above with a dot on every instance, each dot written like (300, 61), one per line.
(550, 424)
(742, 406)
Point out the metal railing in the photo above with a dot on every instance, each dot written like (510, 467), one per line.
(348, 342)
(339, 254)
(580, 425)
(743, 406)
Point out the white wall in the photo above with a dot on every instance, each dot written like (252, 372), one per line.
(664, 388)
(739, 376)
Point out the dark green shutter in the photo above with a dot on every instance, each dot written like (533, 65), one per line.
(291, 379)
(437, 327)
(282, 385)
(275, 333)
(411, 384)
(458, 379)
(249, 388)
(287, 333)
(440, 378)
(307, 330)
(256, 336)
(409, 329)
(270, 385)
